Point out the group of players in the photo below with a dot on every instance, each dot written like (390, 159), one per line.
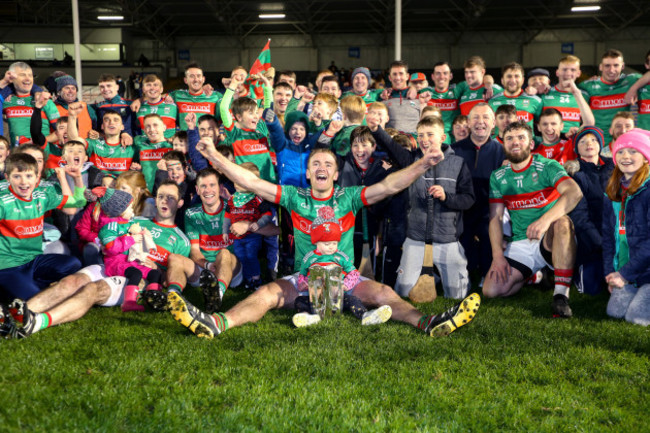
(189, 188)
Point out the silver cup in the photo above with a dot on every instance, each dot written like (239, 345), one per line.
(326, 289)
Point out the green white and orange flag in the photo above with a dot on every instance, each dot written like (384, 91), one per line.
(261, 65)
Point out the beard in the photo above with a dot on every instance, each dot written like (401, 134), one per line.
(517, 158)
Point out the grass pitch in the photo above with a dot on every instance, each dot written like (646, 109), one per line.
(512, 369)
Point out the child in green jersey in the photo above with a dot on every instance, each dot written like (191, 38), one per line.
(24, 270)
(326, 235)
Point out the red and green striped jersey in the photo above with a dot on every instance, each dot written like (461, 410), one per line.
(565, 103)
(148, 155)
(199, 103)
(110, 158)
(168, 113)
(528, 107)
(17, 111)
(606, 99)
(469, 97)
(447, 102)
(169, 239)
(21, 224)
(53, 153)
(303, 207)
(206, 230)
(527, 193)
(252, 146)
(643, 119)
(561, 151)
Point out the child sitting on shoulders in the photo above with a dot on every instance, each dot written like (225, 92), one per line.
(326, 235)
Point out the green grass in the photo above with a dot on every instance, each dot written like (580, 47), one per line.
(512, 369)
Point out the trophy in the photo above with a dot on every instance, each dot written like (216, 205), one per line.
(326, 289)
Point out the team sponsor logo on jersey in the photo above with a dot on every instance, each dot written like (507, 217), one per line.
(160, 255)
(607, 102)
(213, 243)
(197, 107)
(20, 102)
(22, 229)
(444, 104)
(525, 116)
(644, 107)
(111, 164)
(536, 199)
(153, 154)
(12, 112)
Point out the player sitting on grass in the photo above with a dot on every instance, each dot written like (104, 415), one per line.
(303, 203)
(326, 235)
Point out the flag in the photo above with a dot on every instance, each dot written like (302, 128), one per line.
(261, 65)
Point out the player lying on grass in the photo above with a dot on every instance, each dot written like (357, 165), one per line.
(303, 203)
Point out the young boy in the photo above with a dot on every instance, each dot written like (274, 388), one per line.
(553, 146)
(354, 110)
(504, 116)
(106, 154)
(437, 202)
(151, 147)
(154, 103)
(326, 235)
(24, 269)
(460, 128)
(245, 214)
(247, 135)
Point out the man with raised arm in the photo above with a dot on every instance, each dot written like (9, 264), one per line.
(303, 204)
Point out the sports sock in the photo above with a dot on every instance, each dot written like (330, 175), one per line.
(41, 321)
(563, 279)
(222, 287)
(221, 321)
(174, 287)
(424, 322)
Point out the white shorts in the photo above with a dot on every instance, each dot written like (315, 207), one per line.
(293, 279)
(236, 280)
(528, 253)
(116, 284)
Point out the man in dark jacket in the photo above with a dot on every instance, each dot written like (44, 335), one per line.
(482, 155)
(437, 201)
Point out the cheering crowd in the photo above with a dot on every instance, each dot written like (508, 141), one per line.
(479, 186)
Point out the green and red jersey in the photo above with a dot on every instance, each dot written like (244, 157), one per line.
(199, 103)
(21, 224)
(528, 107)
(303, 207)
(643, 119)
(561, 151)
(18, 110)
(167, 112)
(371, 95)
(169, 239)
(110, 158)
(53, 153)
(206, 230)
(606, 99)
(527, 193)
(447, 102)
(315, 258)
(148, 155)
(469, 97)
(565, 103)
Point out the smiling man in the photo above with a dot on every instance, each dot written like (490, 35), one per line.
(607, 93)
(482, 154)
(538, 194)
(153, 103)
(113, 102)
(528, 107)
(322, 172)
